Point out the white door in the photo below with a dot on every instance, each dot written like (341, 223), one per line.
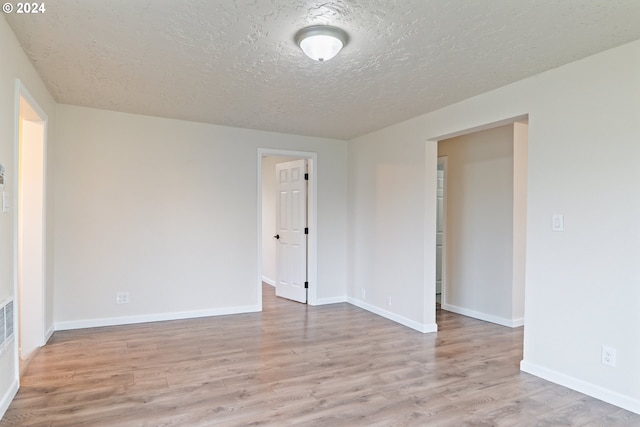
(291, 222)
(440, 230)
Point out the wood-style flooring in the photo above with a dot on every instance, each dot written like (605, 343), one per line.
(293, 364)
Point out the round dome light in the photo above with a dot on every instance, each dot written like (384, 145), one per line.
(321, 42)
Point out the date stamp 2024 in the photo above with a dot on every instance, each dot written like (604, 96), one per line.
(24, 8)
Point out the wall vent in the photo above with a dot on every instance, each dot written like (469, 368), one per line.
(6, 324)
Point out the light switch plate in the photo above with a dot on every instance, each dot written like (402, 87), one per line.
(557, 222)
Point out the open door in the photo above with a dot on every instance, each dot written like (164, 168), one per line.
(292, 231)
(440, 231)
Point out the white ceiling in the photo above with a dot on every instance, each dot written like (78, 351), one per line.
(235, 63)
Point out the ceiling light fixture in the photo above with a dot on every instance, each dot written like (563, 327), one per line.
(321, 42)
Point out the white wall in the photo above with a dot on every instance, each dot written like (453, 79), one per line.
(269, 194)
(166, 210)
(15, 65)
(386, 203)
(582, 285)
(479, 237)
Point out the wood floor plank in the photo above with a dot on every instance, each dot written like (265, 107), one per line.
(294, 364)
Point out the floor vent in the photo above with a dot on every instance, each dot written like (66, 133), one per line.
(6, 324)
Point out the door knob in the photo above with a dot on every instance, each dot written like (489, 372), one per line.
(277, 236)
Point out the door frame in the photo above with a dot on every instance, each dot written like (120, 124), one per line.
(40, 306)
(443, 160)
(312, 243)
(431, 158)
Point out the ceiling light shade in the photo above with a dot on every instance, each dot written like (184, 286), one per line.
(321, 42)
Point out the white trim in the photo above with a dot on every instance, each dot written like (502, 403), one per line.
(312, 158)
(21, 91)
(420, 327)
(623, 401)
(49, 333)
(16, 306)
(503, 321)
(481, 127)
(268, 281)
(160, 317)
(332, 300)
(429, 233)
(444, 160)
(8, 397)
(430, 262)
(517, 322)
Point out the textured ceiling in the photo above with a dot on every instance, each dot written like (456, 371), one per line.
(235, 63)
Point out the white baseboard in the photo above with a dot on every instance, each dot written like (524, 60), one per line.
(420, 327)
(129, 320)
(8, 397)
(601, 393)
(268, 281)
(511, 323)
(517, 322)
(333, 300)
(49, 333)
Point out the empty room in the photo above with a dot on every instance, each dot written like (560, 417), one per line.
(319, 213)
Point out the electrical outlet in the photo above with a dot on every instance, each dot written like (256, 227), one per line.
(122, 298)
(608, 356)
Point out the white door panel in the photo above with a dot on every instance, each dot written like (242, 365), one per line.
(291, 247)
(439, 231)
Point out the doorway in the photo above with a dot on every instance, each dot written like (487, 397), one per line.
(30, 232)
(480, 242)
(267, 160)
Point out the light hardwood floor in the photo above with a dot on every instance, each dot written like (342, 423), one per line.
(293, 364)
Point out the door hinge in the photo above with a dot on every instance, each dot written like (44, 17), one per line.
(306, 230)
(306, 177)
(306, 285)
